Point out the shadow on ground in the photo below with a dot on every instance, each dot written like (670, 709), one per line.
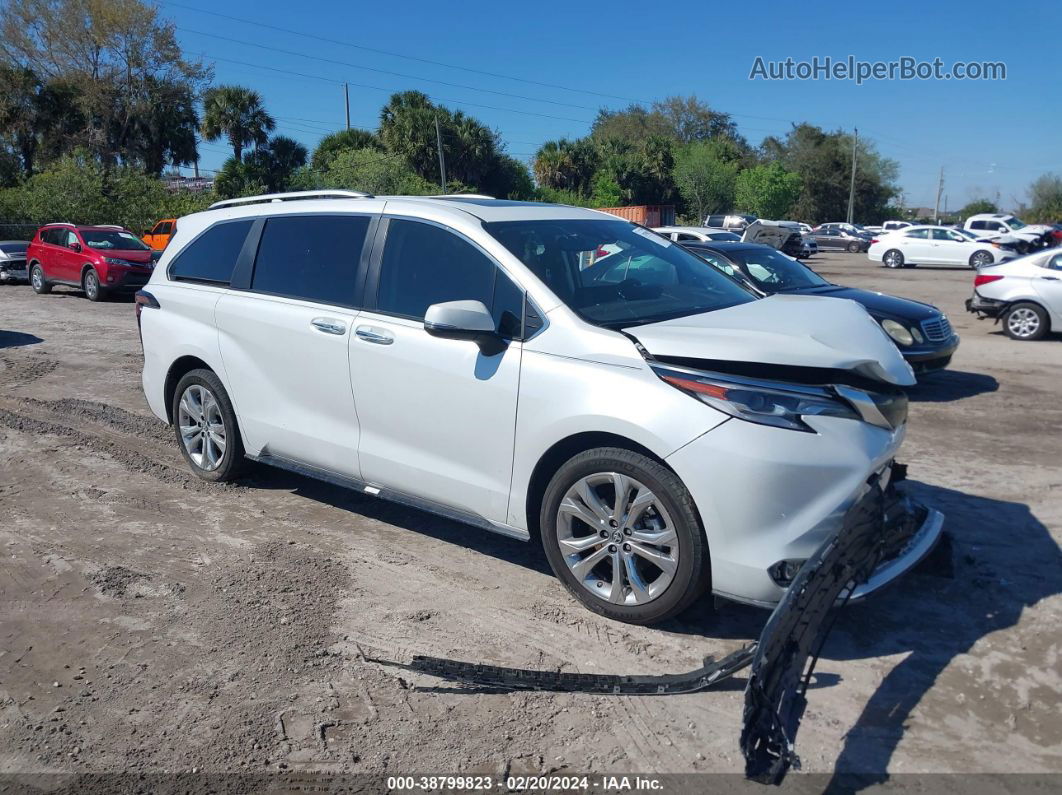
(949, 385)
(16, 339)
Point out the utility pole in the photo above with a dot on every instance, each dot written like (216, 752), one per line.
(346, 102)
(940, 190)
(442, 157)
(851, 188)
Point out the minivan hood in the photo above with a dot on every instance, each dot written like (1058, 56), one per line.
(798, 330)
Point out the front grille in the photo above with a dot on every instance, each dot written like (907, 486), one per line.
(937, 329)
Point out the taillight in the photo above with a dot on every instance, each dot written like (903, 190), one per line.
(873, 241)
(980, 279)
(143, 300)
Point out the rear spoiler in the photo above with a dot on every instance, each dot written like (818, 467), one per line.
(781, 661)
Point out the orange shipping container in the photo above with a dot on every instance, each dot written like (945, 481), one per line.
(650, 215)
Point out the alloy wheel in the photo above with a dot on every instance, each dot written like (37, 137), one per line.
(37, 279)
(202, 427)
(893, 259)
(92, 285)
(1023, 322)
(617, 538)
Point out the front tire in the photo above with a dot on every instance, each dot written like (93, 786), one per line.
(90, 283)
(38, 282)
(1026, 321)
(622, 533)
(893, 258)
(981, 258)
(206, 428)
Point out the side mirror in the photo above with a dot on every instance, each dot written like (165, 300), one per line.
(464, 320)
(75, 246)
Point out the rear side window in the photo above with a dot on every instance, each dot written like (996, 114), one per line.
(424, 265)
(212, 256)
(311, 257)
(920, 234)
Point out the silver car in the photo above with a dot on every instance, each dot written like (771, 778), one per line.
(13, 260)
(1024, 293)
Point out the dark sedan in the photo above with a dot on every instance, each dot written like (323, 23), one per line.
(841, 237)
(921, 331)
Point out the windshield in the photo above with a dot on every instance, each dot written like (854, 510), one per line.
(14, 248)
(1014, 223)
(966, 233)
(616, 274)
(107, 239)
(774, 272)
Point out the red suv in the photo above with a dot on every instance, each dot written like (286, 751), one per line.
(98, 259)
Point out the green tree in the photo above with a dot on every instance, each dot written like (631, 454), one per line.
(978, 206)
(767, 191)
(824, 162)
(567, 165)
(681, 119)
(368, 170)
(333, 144)
(1046, 199)
(120, 69)
(705, 179)
(270, 168)
(238, 115)
(79, 189)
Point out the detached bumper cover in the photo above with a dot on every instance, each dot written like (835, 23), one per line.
(985, 307)
(881, 535)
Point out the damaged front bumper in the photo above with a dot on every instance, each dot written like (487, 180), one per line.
(882, 533)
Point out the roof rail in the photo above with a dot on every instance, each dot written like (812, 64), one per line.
(462, 196)
(293, 196)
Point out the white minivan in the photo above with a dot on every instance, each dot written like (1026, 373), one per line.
(541, 371)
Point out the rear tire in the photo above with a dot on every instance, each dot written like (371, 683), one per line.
(853, 248)
(893, 258)
(90, 283)
(205, 424)
(652, 542)
(38, 282)
(1026, 321)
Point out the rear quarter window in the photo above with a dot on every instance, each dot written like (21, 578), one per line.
(212, 256)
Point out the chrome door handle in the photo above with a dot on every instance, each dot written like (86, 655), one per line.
(329, 326)
(374, 335)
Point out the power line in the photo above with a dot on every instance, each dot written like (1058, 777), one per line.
(401, 55)
(383, 71)
(393, 91)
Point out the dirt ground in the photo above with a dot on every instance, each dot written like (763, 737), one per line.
(150, 622)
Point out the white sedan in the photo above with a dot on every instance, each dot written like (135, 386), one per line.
(933, 245)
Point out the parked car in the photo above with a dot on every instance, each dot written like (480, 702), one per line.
(159, 236)
(1027, 236)
(921, 332)
(895, 226)
(98, 259)
(933, 245)
(13, 261)
(681, 234)
(1024, 293)
(733, 223)
(782, 235)
(464, 359)
(840, 237)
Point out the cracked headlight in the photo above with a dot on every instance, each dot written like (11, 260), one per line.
(766, 403)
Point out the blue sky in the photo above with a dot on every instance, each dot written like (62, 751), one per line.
(992, 137)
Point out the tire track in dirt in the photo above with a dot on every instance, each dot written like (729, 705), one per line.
(118, 419)
(24, 370)
(130, 459)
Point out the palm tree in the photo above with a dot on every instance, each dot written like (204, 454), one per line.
(236, 113)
